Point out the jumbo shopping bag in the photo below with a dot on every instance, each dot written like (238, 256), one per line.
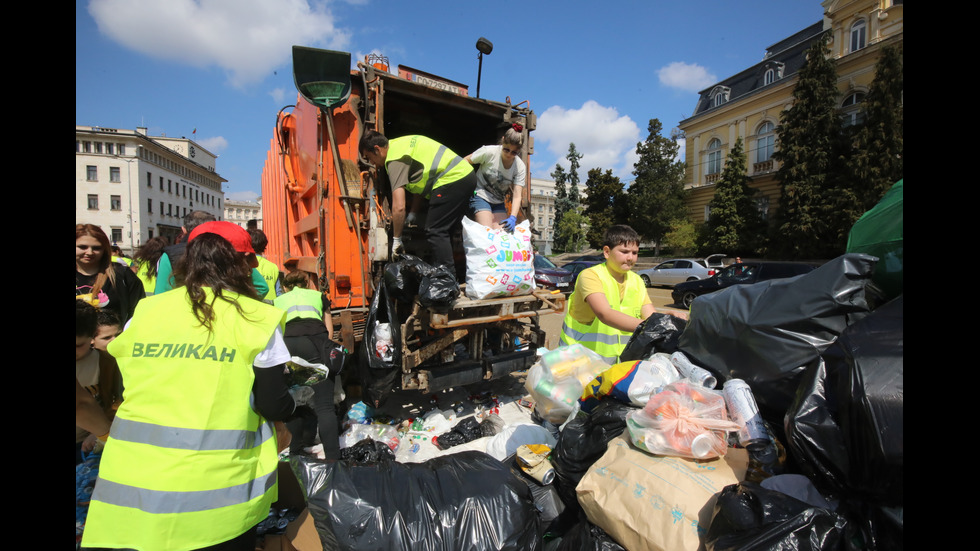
(498, 263)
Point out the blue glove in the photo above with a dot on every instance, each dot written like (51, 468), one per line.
(509, 223)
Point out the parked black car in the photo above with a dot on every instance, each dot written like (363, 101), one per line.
(576, 266)
(736, 274)
(550, 276)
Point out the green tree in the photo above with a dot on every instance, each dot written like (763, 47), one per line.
(878, 155)
(571, 226)
(808, 221)
(604, 204)
(656, 197)
(573, 166)
(735, 224)
(562, 205)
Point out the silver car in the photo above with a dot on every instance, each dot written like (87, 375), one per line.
(674, 271)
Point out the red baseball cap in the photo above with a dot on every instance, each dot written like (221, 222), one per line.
(233, 233)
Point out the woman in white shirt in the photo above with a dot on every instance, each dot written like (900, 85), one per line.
(501, 170)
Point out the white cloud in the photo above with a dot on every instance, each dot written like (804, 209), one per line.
(278, 95)
(686, 77)
(215, 145)
(246, 38)
(606, 139)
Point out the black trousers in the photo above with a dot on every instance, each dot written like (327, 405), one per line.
(323, 416)
(447, 206)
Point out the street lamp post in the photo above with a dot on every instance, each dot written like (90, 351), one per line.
(485, 47)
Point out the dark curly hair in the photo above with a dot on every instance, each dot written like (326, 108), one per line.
(211, 261)
(150, 252)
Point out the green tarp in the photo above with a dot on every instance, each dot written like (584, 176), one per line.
(880, 232)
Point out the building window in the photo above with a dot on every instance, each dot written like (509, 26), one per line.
(92, 173)
(114, 174)
(122, 149)
(93, 202)
(149, 206)
(98, 147)
(169, 186)
(765, 144)
(161, 184)
(115, 202)
(859, 34)
(770, 76)
(714, 156)
(149, 233)
(110, 148)
(149, 179)
(87, 147)
(719, 95)
(116, 234)
(161, 208)
(851, 109)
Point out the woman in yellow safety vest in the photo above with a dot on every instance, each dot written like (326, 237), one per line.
(145, 262)
(191, 458)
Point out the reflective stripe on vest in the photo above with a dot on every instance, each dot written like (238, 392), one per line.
(301, 303)
(190, 439)
(161, 501)
(602, 339)
(439, 168)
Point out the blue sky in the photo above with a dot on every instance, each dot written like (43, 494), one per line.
(594, 72)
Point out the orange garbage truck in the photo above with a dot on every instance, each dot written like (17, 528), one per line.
(327, 211)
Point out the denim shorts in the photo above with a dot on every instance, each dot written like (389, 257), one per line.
(479, 203)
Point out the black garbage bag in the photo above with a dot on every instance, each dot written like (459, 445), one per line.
(467, 500)
(585, 536)
(404, 276)
(368, 451)
(749, 517)
(767, 332)
(439, 289)
(846, 427)
(380, 362)
(658, 333)
(582, 442)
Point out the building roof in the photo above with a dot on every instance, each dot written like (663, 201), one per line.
(789, 53)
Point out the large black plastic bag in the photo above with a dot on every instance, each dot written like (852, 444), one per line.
(658, 333)
(846, 427)
(467, 500)
(439, 289)
(581, 443)
(404, 276)
(767, 332)
(750, 517)
(378, 376)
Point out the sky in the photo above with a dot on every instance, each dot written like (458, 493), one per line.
(595, 73)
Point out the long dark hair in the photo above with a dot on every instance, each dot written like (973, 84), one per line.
(210, 261)
(150, 252)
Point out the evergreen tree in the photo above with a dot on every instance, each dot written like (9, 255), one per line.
(604, 204)
(877, 161)
(571, 227)
(573, 158)
(735, 223)
(562, 206)
(656, 196)
(807, 223)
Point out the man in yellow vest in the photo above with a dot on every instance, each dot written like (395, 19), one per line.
(268, 268)
(429, 170)
(609, 299)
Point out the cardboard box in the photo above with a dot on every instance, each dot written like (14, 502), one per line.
(301, 534)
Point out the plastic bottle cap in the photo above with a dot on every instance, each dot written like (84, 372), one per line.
(702, 446)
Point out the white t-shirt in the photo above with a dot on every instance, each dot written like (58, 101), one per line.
(493, 181)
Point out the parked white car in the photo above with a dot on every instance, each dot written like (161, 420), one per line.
(672, 272)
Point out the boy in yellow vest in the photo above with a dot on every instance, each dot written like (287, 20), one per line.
(609, 299)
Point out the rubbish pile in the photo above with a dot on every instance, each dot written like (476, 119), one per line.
(772, 419)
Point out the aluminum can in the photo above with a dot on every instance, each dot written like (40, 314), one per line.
(745, 411)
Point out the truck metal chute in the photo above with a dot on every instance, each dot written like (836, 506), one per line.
(328, 211)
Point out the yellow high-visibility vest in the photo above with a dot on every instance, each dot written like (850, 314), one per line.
(602, 339)
(441, 165)
(189, 463)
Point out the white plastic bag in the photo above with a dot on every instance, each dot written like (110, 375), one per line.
(498, 263)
